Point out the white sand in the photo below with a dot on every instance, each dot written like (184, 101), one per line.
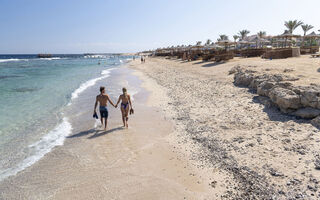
(262, 152)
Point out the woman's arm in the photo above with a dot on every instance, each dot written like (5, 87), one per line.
(110, 101)
(118, 101)
(130, 101)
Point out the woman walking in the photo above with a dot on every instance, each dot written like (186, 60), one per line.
(125, 103)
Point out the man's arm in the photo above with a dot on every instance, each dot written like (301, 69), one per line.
(95, 105)
(110, 101)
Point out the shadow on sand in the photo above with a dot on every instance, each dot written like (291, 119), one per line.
(97, 133)
(101, 133)
(83, 133)
(213, 64)
(274, 113)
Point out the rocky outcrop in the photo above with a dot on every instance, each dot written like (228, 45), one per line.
(307, 113)
(316, 122)
(301, 101)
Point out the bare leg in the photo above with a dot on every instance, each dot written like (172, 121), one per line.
(123, 117)
(101, 121)
(105, 123)
(126, 116)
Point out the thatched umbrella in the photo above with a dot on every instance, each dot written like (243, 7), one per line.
(225, 43)
(243, 42)
(284, 41)
(259, 40)
(209, 47)
(312, 35)
(287, 36)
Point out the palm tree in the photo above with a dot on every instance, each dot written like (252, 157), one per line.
(292, 25)
(235, 37)
(261, 34)
(223, 37)
(305, 28)
(198, 43)
(243, 33)
(208, 42)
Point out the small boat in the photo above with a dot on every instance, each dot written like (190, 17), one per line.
(44, 55)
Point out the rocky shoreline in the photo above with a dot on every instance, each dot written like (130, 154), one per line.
(280, 90)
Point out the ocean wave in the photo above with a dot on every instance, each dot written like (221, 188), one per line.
(12, 60)
(107, 71)
(53, 58)
(89, 83)
(54, 138)
(96, 56)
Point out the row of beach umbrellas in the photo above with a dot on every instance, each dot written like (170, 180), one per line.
(283, 38)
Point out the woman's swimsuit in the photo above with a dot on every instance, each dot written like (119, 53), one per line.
(124, 105)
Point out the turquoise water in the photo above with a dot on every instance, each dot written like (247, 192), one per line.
(33, 95)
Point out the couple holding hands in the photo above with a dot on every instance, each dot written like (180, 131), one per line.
(103, 99)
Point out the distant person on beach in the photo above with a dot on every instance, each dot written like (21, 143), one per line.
(125, 103)
(103, 99)
(141, 59)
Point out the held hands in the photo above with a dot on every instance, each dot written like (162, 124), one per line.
(116, 106)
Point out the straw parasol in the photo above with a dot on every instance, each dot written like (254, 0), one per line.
(312, 35)
(225, 43)
(287, 36)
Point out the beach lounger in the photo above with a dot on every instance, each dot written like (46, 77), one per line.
(316, 55)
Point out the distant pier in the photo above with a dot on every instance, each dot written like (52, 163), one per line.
(44, 55)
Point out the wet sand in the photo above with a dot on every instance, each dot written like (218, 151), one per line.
(134, 163)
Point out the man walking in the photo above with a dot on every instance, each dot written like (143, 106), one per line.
(103, 99)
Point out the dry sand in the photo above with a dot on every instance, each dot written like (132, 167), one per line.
(253, 152)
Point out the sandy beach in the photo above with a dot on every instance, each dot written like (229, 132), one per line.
(195, 135)
(134, 163)
(257, 152)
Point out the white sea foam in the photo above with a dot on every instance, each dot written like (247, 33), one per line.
(12, 60)
(40, 148)
(107, 71)
(53, 58)
(96, 56)
(131, 90)
(89, 83)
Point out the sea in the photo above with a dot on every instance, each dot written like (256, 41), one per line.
(35, 94)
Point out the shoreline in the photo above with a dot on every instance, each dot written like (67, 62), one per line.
(94, 164)
(194, 135)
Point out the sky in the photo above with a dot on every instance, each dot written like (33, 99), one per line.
(121, 26)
